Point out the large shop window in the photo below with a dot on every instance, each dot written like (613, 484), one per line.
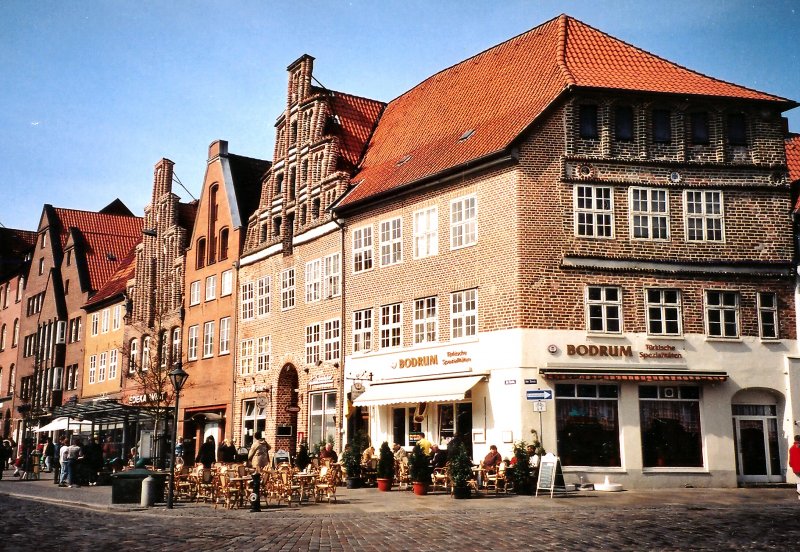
(322, 417)
(254, 420)
(587, 424)
(405, 431)
(670, 422)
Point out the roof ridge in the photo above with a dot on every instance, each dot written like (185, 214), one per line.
(561, 54)
(355, 96)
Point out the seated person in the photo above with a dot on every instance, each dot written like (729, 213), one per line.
(533, 457)
(399, 452)
(439, 458)
(328, 454)
(492, 459)
(367, 455)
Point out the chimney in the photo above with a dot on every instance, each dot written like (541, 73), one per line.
(218, 148)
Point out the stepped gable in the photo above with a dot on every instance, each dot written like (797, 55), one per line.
(357, 117)
(248, 173)
(117, 284)
(107, 239)
(500, 92)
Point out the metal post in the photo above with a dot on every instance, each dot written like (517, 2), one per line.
(171, 492)
(255, 496)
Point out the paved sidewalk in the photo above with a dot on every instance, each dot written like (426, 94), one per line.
(370, 500)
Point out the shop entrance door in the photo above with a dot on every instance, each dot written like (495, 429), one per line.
(757, 452)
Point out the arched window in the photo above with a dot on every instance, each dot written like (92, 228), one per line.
(1, 387)
(133, 356)
(3, 338)
(176, 345)
(15, 335)
(163, 349)
(201, 253)
(146, 353)
(223, 244)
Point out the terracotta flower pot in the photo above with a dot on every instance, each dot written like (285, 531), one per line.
(420, 488)
(384, 484)
(462, 492)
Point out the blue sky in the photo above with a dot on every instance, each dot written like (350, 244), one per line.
(94, 93)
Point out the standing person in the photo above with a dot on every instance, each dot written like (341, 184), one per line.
(794, 461)
(65, 463)
(227, 452)
(4, 455)
(47, 454)
(259, 452)
(9, 454)
(93, 458)
(424, 444)
(74, 453)
(208, 453)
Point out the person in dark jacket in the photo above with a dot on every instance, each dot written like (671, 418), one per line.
(208, 452)
(227, 452)
(93, 460)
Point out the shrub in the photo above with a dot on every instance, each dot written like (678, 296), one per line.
(419, 466)
(385, 462)
(459, 465)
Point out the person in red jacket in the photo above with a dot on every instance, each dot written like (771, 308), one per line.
(794, 461)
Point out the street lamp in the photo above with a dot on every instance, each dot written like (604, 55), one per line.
(178, 378)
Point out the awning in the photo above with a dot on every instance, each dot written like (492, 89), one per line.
(207, 416)
(62, 423)
(106, 411)
(431, 390)
(633, 375)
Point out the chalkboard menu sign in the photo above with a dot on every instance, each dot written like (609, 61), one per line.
(551, 478)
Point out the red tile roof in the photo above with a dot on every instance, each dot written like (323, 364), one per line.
(108, 239)
(501, 91)
(357, 117)
(116, 285)
(793, 157)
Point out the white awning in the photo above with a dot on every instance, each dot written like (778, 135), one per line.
(432, 390)
(61, 423)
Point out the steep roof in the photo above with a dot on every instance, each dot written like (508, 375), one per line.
(793, 157)
(106, 239)
(116, 285)
(247, 174)
(186, 214)
(14, 244)
(498, 93)
(357, 117)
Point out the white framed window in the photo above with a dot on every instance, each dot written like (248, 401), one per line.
(208, 339)
(133, 357)
(649, 214)
(391, 241)
(313, 281)
(703, 215)
(112, 364)
(224, 335)
(211, 287)
(95, 324)
(426, 320)
(362, 249)
(146, 353)
(176, 344)
(106, 321)
(322, 416)
(391, 326)
(263, 295)
(254, 421)
(247, 302)
(426, 232)
(332, 276)
(722, 313)
(263, 353)
(464, 314)
(594, 211)
(92, 368)
(226, 283)
(287, 289)
(463, 222)
(312, 343)
(332, 339)
(191, 350)
(246, 357)
(116, 319)
(101, 367)
(663, 311)
(768, 315)
(194, 293)
(604, 309)
(362, 331)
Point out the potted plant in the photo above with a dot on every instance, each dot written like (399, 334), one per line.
(419, 468)
(385, 468)
(522, 469)
(351, 461)
(460, 469)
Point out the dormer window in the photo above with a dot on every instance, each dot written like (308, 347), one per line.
(623, 123)
(737, 129)
(662, 126)
(587, 116)
(700, 134)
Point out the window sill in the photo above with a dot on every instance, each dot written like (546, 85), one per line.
(770, 340)
(666, 337)
(674, 470)
(594, 469)
(713, 339)
(591, 335)
(224, 353)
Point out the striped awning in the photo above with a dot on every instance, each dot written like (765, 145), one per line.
(633, 375)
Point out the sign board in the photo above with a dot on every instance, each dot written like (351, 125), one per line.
(540, 406)
(551, 477)
(539, 395)
(292, 408)
(510, 382)
(530, 381)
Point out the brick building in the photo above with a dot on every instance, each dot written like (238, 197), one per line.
(15, 255)
(230, 194)
(288, 381)
(569, 218)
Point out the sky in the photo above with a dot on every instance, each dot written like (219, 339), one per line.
(94, 93)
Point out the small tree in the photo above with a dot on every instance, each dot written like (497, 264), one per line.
(459, 465)
(351, 461)
(419, 466)
(385, 462)
(303, 460)
(522, 468)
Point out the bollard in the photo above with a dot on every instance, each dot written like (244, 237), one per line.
(148, 491)
(255, 496)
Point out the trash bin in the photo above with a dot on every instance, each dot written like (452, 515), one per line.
(126, 486)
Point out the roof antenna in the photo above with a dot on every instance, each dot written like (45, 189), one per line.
(178, 180)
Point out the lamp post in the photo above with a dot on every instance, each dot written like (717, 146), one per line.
(178, 378)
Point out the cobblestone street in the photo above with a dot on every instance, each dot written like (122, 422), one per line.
(684, 519)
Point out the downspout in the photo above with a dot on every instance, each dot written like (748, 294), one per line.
(342, 334)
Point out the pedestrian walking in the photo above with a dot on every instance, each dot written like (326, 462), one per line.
(4, 456)
(259, 452)
(47, 454)
(794, 461)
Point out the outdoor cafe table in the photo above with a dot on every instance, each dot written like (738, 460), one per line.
(242, 482)
(306, 483)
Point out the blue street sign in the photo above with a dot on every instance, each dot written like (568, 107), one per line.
(538, 394)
